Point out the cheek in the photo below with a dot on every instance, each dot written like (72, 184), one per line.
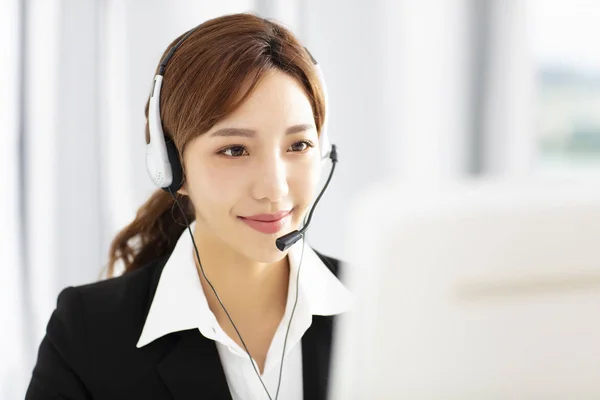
(213, 187)
(304, 182)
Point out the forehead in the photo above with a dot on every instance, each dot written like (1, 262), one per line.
(278, 98)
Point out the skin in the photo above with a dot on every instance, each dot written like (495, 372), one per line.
(271, 170)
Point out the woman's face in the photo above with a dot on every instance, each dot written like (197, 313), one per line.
(261, 159)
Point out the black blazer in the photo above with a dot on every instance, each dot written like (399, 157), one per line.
(89, 351)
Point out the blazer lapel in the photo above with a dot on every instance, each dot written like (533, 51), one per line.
(316, 355)
(193, 370)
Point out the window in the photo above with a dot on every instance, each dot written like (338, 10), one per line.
(567, 67)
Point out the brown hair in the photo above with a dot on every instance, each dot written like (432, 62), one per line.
(205, 81)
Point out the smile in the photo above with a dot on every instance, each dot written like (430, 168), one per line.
(267, 223)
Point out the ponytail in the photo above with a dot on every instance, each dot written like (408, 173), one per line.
(153, 233)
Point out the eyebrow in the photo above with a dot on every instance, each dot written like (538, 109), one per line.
(226, 132)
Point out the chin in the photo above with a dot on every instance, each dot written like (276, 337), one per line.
(267, 255)
(264, 249)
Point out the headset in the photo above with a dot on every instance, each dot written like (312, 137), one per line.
(166, 172)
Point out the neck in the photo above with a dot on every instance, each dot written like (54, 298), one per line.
(246, 287)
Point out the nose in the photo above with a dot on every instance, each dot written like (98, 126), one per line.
(271, 182)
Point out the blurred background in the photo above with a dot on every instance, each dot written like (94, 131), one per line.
(424, 91)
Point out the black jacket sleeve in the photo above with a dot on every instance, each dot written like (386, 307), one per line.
(62, 360)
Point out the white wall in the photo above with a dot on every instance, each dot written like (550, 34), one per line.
(12, 334)
(510, 112)
(40, 175)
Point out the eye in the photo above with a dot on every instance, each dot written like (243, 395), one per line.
(234, 151)
(301, 146)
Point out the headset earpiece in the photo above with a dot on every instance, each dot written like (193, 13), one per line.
(176, 168)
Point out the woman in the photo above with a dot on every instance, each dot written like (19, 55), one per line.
(215, 310)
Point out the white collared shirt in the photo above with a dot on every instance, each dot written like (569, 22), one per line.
(180, 304)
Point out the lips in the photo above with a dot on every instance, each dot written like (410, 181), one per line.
(267, 223)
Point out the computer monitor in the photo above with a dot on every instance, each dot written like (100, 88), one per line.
(472, 291)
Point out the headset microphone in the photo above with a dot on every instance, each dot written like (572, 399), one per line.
(286, 241)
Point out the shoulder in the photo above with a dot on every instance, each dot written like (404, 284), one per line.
(92, 326)
(113, 308)
(134, 286)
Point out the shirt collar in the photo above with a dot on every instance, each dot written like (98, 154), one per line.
(179, 302)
